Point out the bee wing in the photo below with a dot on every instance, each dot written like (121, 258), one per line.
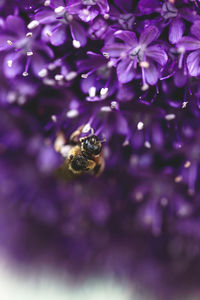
(65, 150)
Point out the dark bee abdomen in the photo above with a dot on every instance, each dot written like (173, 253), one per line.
(79, 163)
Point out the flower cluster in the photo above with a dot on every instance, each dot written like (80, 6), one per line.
(131, 71)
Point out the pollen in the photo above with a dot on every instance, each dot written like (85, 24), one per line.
(140, 125)
(59, 77)
(33, 24)
(29, 34)
(92, 91)
(72, 113)
(187, 164)
(170, 117)
(42, 73)
(47, 3)
(76, 44)
(71, 75)
(178, 179)
(10, 63)
(59, 141)
(144, 64)
(25, 74)
(84, 76)
(59, 9)
(29, 53)
(145, 87)
(9, 42)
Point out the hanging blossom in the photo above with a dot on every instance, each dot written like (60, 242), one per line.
(131, 52)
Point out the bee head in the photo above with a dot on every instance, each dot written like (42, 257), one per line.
(92, 145)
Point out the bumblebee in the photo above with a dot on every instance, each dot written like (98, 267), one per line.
(84, 154)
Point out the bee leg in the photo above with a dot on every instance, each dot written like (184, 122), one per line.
(91, 165)
(100, 165)
(74, 137)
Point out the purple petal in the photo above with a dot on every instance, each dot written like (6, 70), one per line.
(151, 74)
(149, 34)
(115, 49)
(127, 37)
(189, 43)
(157, 54)
(94, 61)
(125, 71)
(38, 64)
(179, 78)
(148, 6)
(195, 29)
(176, 30)
(92, 13)
(45, 16)
(189, 15)
(15, 22)
(59, 36)
(193, 63)
(11, 70)
(78, 33)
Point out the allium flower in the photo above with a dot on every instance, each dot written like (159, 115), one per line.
(133, 52)
(125, 75)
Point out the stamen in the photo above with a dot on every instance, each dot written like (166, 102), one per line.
(85, 12)
(9, 42)
(29, 53)
(71, 75)
(29, 34)
(49, 81)
(103, 92)
(184, 104)
(170, 117)
(147, 144)
(25, 74)
(33, 24)
(187, 164)
(10, 63)
(59, 77)
(144, 64)
(106, 55)
(178, 179)
(84, 76)
(54, 118)
(76, 44)
(47, 3)
(140, 125)
(92, 91)
(42, 73)
(86, 128)
(72, 113)
(59, 9)
(106, 16)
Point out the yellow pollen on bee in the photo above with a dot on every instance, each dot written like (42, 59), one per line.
(187, 164)
(59, 141)
(178, 178)
(144, 64)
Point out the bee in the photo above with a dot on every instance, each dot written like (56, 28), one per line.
(84, 154)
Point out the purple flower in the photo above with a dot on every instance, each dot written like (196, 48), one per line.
(132, 52)
(189, 43)
(56, 19)
(21, 49)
